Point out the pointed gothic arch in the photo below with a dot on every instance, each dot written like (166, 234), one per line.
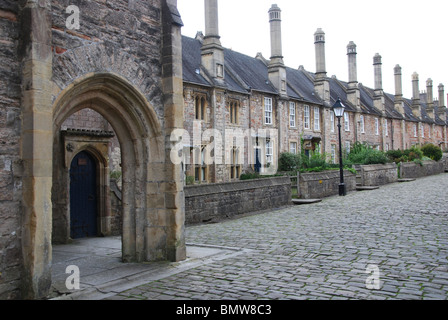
(145, 231)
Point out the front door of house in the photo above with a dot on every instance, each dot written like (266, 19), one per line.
(83, 197)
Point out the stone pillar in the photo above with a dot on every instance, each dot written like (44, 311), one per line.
(321, 84)
(37, 147)
(353, 94)
(441, 96)
(416, 108)
(172, 86)
(398, 90)
(430, 99)
(212, 52)
(276, 67)
(379, 93)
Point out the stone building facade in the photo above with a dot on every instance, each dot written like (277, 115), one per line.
(294, 104)
(118, 85)
(119, 59)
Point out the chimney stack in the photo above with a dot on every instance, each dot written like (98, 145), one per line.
(399, 106)
(319, 43)
(416, 107)
(442, 96)
(429, 99)
(379, 101)
(321, 84)
(442, 106)
(212, 51)
(276, 67)
(353, 93)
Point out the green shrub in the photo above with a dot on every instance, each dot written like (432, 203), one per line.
(189, 180)
(431, 151)
(249, 176)
(288, 162)
(364, 154)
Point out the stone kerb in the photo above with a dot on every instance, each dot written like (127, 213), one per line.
(378, 174)
(214, 202)
(412, 170)
(317, 185)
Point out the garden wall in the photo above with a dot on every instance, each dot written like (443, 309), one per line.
(412, 170)
(317, 185)
(213, 202)
(377, 174)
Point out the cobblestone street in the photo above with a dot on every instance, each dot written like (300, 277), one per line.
(324, 250)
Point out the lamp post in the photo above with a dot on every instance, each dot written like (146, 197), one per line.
(338, 109)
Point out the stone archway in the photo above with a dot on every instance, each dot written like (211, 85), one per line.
(151, 230)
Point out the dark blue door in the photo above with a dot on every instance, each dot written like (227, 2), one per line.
(257, 166)
(83, 197)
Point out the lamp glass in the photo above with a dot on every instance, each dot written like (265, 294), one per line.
(338, 109)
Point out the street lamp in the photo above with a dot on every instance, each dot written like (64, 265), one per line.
(338, 109)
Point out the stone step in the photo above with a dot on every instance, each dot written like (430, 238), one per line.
(366, 188)
(405, 180)
(305, 201)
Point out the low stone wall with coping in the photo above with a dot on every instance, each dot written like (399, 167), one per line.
(214, 202)
(412, 170)
(318, 185)
(377, 174)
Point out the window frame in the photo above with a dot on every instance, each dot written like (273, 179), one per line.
(268, 111)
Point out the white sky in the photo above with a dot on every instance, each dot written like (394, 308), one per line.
(411, 33)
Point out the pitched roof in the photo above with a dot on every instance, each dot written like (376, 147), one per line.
(245, 73)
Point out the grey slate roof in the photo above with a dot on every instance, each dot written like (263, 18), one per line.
(244, 73)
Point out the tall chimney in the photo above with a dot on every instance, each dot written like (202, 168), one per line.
(321, 83)
(352, 65)
(276, 67)
(319, 43)
(353, 93)
(379, 101)
(416, 108)
(442, 106)
(442, 96)
(429, 99)
(398, 103)
(377, 63)
(212, 51)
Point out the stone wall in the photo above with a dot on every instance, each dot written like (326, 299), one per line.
(378, 174)
(412, 170)
(213, 202)
(317, 185)
(10, 163)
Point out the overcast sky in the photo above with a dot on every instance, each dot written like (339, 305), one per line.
(411, 33)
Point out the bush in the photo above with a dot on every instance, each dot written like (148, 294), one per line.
(288, 162)
(363, 154)
(431, 151)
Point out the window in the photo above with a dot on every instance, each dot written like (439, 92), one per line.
(200, 170)
(386, 127)
(292, 114)
(377, 127)
(333, 153)
(268, 110)
(347, 121)
(422, 129)
(332, 121)
(200, 108)
(316, 119)
(415, 131)
(362, 124)
(269, 151)
(347, 147)
(387, 147)
(306, 117)
(235, 164)
(293, 147)
(233, 110)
